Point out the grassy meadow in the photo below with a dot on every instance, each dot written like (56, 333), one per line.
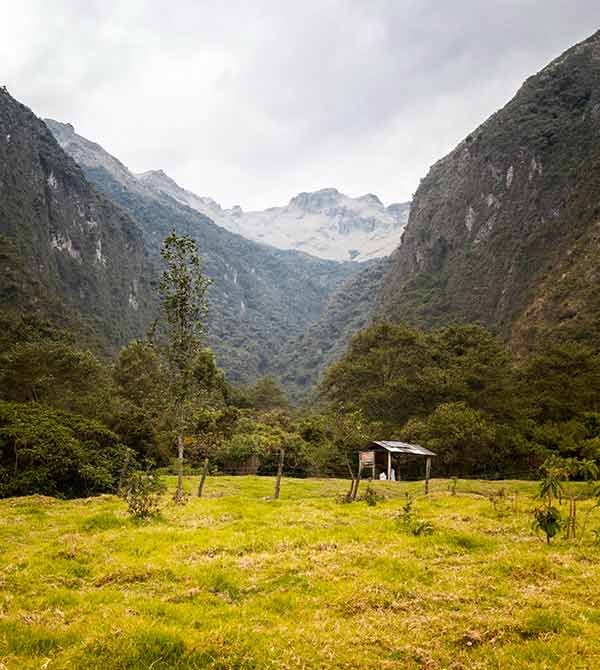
(237, 581)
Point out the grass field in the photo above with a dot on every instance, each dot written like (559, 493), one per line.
(237, 581)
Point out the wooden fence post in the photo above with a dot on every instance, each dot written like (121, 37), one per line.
(279, 473)
(427, 473)
(203, 478)
(357, 482)
(123, 473)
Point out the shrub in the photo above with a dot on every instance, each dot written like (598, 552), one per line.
(55, 453)
(409, 521)
(548, 520)
(370, 496)
(143, 491)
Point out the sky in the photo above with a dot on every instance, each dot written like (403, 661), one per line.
(254, 101)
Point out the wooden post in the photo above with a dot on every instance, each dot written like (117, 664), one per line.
(123, 473)
(279, 473)
(203, 478)
(427, 473)
(357, 482)
(389, 468)
(179, 493)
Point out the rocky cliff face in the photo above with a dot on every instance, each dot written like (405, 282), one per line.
(69, 252)
(504, 229)
(261, 298)
(326, 223)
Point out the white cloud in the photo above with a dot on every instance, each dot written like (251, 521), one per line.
(252, 102)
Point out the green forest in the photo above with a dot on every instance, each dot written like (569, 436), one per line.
(75, 423)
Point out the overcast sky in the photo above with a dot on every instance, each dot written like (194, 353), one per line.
(251, 102)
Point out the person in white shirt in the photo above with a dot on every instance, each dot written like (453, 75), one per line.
(383, 476)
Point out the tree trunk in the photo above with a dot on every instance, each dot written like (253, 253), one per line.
(279, 473)
(123, 472)
(179, 493)
(203, 478)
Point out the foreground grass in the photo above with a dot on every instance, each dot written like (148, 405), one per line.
(237, 581)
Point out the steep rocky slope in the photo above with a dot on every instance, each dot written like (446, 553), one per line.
(67, 252)
(504, 230)
(325, 223)
(261, 297)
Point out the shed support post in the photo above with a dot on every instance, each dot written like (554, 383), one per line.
(427, 473)
(389, 466)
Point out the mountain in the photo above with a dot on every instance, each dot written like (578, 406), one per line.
(67, 252)
(261, 297)
(505, 229)
(349, 309)
(325, 223)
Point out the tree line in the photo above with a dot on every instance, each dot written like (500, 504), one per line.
(72, 422)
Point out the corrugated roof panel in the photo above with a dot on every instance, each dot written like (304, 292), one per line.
(404, 448)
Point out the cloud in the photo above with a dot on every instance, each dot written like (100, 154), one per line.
(252, 102)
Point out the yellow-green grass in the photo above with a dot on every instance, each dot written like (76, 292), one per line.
(236, 580)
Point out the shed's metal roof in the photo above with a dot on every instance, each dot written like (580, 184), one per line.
(404, 448)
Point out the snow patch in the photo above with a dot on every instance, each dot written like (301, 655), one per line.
(52, 183)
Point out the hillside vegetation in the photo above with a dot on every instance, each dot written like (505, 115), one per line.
(237, 581)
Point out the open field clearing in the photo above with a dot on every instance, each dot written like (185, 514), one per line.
(237, 581)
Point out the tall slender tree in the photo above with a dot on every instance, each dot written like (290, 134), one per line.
(183, 295)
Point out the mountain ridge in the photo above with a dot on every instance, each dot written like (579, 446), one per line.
(323, 223)
(497, 214)
(72, 255)
(261, 297)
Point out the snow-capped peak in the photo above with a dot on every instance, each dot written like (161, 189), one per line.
(324, 223)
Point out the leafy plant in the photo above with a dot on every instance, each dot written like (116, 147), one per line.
(410, 522)
(548, 520)
(370, 496)
(143, 492)
(421, 527)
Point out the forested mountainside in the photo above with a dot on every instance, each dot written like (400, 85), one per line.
(505, 229)
(67, 252)
(261, 297)
(348, 310)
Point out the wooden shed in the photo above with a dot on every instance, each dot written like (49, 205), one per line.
(385, 456)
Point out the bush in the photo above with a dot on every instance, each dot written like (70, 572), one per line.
(55, 453)
(548, 520)
(410, 523)
(143, 491)
(370, 496)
